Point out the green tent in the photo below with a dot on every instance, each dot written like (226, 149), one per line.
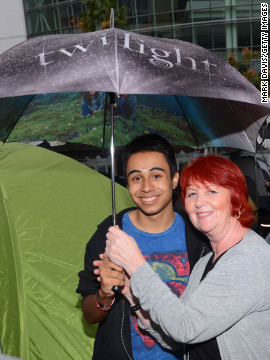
(50, 206)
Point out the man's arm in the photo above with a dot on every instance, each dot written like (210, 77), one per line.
(89, 285)
(91, 312)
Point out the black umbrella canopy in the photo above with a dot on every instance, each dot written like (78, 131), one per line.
(210, 93)
(117, 61)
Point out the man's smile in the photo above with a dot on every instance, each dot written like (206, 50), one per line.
(149, 199)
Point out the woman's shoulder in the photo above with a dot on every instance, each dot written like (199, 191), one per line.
(255, 240)
(255, 247)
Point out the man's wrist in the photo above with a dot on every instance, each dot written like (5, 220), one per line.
(103, 306)
(106, 299)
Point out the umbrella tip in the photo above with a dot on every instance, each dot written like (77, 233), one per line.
(112, 19)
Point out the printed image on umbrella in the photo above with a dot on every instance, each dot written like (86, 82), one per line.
(66, 117)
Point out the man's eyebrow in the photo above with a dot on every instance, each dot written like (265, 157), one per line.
(133, 171)
(139, 171)
(157, 168)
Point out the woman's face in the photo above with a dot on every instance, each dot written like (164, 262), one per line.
(209, 208)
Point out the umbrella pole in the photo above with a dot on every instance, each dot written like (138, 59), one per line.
(112, 19)
(115, 288)
(112, 102)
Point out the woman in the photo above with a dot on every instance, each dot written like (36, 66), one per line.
(224, 313)
(92, 102)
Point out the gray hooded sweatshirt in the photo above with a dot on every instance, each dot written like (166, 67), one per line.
(232, 303)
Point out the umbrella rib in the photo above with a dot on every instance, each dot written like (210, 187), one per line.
(189, 124)
(116, 64)
(241, 125)
(256, 181)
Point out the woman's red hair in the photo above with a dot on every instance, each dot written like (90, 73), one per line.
(221, 172)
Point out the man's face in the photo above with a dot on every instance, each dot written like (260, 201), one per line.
(149, 182)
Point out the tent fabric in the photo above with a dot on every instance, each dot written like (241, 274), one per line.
(50, 206)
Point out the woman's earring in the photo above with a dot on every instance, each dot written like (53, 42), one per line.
(238, 215)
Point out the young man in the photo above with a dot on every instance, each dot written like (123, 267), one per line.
(167, 239)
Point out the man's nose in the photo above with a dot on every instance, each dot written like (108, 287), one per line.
(147, 185)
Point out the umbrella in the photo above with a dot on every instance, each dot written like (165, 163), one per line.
(209, 92)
